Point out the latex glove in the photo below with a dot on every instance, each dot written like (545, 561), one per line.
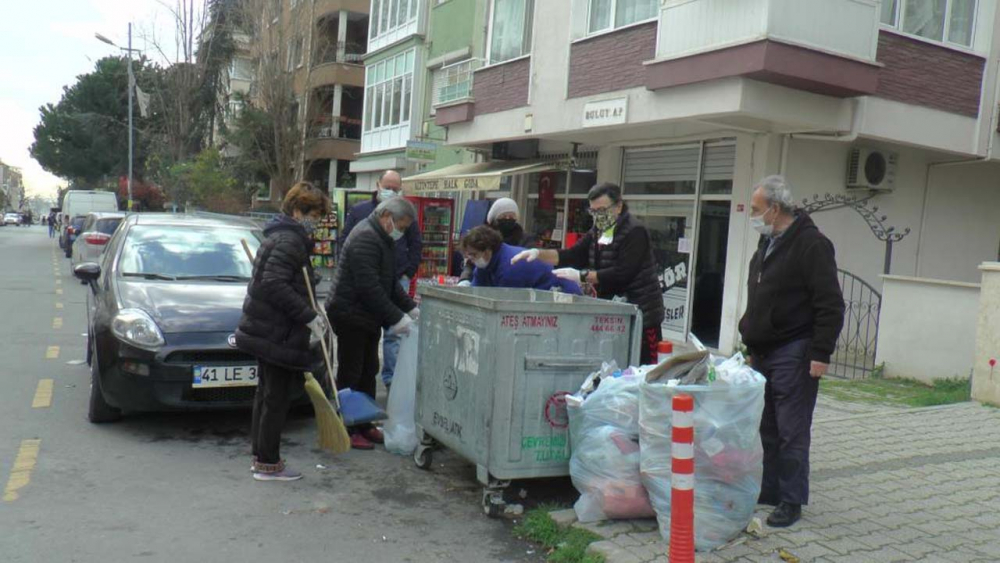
(571, 274)
(465, 283)
(530, 255)
(415, 314)
(403, 327)
(317, 326)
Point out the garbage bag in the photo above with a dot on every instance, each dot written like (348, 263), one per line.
(729, 401)
(358, 408)
(604, 431)
(401, 430)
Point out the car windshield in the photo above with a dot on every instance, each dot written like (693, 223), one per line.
(107, 226)
(186, 252)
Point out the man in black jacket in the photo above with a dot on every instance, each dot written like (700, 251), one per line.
(795, 310)
(616, 257)
(408, 254)
(366, 297)
(278, 319)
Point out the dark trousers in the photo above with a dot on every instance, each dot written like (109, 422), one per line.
(651, 337)
(270, 408)
(357, 360)
(786, 427)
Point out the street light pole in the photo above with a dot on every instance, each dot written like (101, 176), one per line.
(131, 87)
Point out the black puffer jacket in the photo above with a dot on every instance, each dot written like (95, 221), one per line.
(277, 308)
(366, 292)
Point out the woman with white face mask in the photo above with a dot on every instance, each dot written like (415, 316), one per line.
(491, 257)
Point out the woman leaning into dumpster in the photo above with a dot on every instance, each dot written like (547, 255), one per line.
(493, 263)
(616, 257)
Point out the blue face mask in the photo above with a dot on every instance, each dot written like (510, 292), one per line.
(385, 194)
(395, 234)
(308, 224)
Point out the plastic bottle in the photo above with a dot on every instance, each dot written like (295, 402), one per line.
(664, 351)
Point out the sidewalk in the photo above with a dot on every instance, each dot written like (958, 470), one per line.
(888, 484)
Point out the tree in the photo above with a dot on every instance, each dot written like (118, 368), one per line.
(206, 182)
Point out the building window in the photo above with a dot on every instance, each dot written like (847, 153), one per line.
(510, 29)
(948, 21)
(612, 14)
(454, 82)
(241, 69)
(388, 95)
(389, 19)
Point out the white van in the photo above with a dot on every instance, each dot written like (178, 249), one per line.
(81, 202)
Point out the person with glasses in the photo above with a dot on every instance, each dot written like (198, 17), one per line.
(485, 249)
(616, 257)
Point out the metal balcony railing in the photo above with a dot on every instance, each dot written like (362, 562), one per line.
(336, 128)
(454, 82)
(352, 53)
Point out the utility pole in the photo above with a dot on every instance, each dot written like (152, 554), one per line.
(131, 93)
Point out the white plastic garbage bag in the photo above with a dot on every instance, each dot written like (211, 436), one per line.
(401, 430)
(604, 430)
(728, 465)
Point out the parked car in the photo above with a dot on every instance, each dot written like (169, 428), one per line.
(79, 203)
(72, 233)
(12, 219)
(96, 232)
(163, 307)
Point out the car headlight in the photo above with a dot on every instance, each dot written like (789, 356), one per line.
(135, 327)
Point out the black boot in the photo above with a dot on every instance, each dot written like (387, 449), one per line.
(785, 515)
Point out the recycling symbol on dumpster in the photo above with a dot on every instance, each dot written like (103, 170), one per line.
(450, 384)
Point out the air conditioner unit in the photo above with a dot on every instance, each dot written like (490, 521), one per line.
(871, 170)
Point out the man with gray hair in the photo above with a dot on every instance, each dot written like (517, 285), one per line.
(366, 297)
(795, 310)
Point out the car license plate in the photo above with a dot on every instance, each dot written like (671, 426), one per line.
(224, 376)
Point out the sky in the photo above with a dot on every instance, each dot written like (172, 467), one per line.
(45, 45)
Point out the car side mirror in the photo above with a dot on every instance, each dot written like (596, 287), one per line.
(87, 272)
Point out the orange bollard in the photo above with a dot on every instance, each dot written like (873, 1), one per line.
(682, 482)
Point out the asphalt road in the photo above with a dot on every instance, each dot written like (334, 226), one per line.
(177, 487)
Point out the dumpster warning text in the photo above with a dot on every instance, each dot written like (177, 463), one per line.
(515, 322)
(546, 448)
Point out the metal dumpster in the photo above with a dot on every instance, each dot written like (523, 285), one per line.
(494, 368)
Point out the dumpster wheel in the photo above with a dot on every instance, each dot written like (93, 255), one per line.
(493, 503)
(423, 457)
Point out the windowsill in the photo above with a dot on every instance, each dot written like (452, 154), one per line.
(605, 32)
(941, 44)
(507, 62)
(458, 102)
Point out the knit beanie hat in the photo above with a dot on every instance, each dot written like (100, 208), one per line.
(501, 206)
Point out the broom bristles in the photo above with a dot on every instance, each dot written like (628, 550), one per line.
(332, 432)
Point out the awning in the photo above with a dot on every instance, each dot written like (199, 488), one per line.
(472, 177)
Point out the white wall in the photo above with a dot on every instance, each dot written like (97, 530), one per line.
(927, 328)
(986, 379)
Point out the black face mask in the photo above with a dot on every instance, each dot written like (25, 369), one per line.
(506, 226)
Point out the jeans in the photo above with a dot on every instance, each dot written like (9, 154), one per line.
(390, 345)
(270, 408)
(786, 426)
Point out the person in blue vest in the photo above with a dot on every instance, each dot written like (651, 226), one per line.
(491, 257)
(408, 254)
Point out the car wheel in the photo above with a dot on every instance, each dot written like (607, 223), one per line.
(99, 410)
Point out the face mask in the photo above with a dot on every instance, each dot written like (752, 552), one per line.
(758, 224)
(308, 224)
(506, 226)
(481, 263)
(395, 233)
(604, 220)
(386, 194)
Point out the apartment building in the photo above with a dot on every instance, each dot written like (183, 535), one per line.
(421, 53)
(687, 103)
(12, 186)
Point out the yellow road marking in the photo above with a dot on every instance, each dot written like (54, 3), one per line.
(24, 464)
(57, 322)
(52, 353)
(43, 395)
(58, 291)
(59, 305)
(58, 281)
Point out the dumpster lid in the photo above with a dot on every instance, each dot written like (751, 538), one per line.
(532, 300)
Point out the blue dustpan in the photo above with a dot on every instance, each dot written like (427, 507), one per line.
(358, 408)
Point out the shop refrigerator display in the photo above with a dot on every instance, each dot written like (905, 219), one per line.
(435, 217)
(324, 254)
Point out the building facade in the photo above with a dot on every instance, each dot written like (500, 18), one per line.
(688, 103)
(421, 54)
(12, 186)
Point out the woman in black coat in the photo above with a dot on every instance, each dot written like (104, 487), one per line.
(278, 319)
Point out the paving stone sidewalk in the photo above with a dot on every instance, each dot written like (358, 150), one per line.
(888, 484)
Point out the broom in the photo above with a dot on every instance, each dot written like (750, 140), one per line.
(332, 432)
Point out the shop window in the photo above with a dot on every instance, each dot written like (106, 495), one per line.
(510, 29)
(947, 21)
(717, 169)
(612, 14)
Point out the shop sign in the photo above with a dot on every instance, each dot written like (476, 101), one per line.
(605, 112)
(457, 183)
(421, 151)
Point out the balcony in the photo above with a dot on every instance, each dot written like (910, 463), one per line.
(328, 7)
(453, 102)
(334, 139)
(822, 46)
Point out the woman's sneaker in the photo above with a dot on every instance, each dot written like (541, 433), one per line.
(274, 472)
